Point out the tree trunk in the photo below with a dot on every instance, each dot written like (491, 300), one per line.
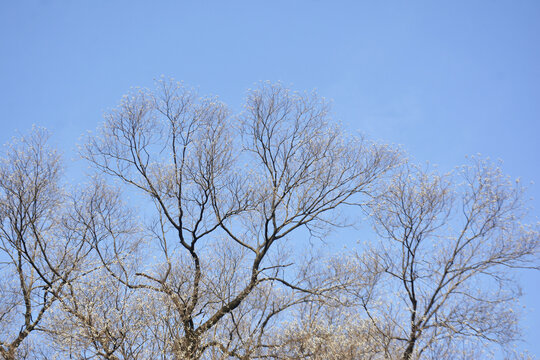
(9, 354)
(407, 355)
(187, 348)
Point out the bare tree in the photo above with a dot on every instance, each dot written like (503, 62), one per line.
(440, 282)
(32, 205)
(225, 192)
(188, 242)
(445, 286)
(46, 243)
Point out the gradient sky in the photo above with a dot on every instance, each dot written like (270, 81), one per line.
(444, 79)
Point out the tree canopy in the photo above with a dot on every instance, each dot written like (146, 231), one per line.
(200, 234)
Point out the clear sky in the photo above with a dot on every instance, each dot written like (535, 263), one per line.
(442, 78)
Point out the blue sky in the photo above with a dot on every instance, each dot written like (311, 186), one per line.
(443, 79)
